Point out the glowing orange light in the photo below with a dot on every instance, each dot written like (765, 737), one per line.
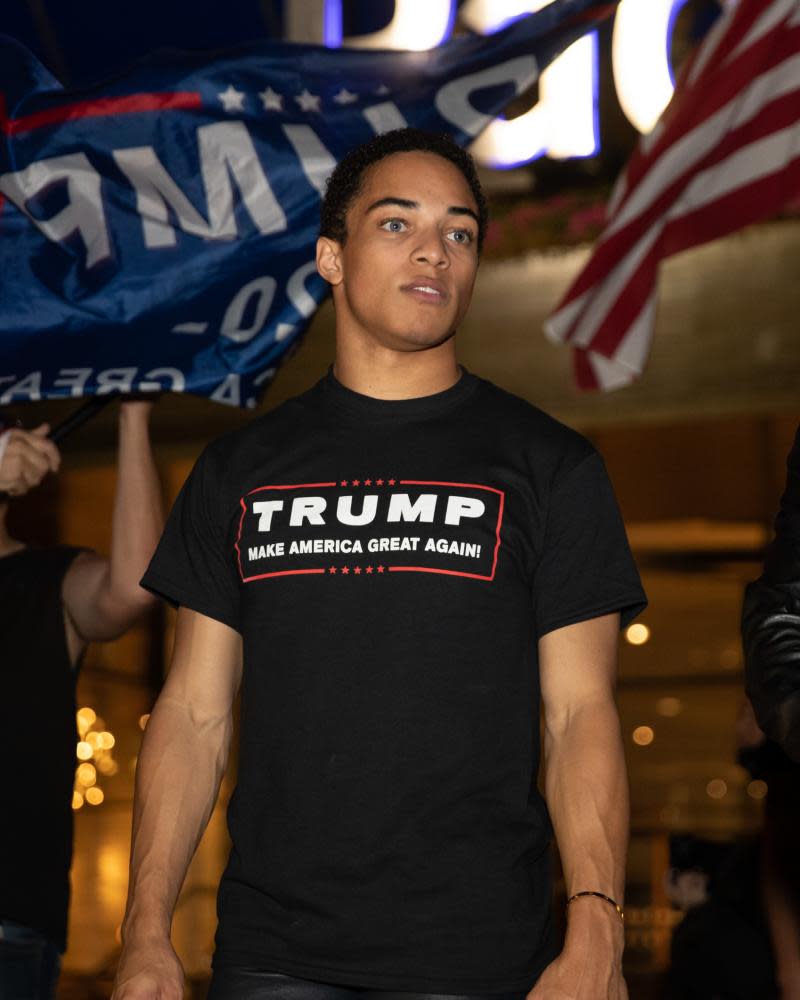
(107, 741)
(717, 788)
(638, 634)
(83, 751)
(86, 717)
(86, 775)
(757, 789)
(143, 720)
(77, 800)
(94, 796)
(643, 736)
(669, 706)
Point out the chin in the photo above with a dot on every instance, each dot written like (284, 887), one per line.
(420, 339)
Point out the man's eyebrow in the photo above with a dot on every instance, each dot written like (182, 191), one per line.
(407, 203)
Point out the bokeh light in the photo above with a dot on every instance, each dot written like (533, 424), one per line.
(94, 796)
(86, 775)
(637, 634)
(669, 706)
(757, 789)
(643, 736)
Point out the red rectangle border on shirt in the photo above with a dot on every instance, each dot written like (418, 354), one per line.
(392, 569)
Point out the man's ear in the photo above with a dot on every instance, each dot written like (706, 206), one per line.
(329, 260)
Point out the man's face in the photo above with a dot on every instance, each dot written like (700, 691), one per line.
(403, 280)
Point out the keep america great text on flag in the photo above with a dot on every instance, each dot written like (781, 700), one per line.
(157, 231)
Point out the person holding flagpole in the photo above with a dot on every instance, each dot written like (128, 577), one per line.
(399, 568)
(54, 601)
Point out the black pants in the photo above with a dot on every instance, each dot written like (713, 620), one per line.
(253, 984)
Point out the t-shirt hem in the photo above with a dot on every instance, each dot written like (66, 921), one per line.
(178, 596)
(356, 978)
(628, 609)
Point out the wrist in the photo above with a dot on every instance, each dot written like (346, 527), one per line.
(145, 929)
(593, 922)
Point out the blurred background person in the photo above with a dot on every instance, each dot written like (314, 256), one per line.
(778, 861)
(720, 950)
(53, 602)
(771, 623)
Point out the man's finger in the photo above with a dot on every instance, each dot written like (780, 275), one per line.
(37, 442)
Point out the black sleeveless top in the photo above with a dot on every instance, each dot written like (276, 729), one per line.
(38, 734)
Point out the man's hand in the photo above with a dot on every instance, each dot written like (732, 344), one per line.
(148, 971)
(590, 966)
(27, 458)
(580, 977)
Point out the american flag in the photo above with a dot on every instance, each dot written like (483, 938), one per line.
(725, 153)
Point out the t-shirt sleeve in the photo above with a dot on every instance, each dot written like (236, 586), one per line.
(586, 568)
(193, 565)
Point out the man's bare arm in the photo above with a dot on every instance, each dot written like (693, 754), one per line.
(587, 795)
(102, 597)
(181, 764)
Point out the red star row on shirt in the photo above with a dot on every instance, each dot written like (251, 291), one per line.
(367, 482)
(358, 570)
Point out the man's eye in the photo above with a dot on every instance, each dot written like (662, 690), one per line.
(393, 225)
(461, 236)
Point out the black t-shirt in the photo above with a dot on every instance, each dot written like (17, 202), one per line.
(390, 566)
(37, 699)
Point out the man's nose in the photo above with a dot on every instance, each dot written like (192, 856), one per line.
(432, 249)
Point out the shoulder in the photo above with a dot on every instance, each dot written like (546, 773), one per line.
(232, 453)
(545, 440)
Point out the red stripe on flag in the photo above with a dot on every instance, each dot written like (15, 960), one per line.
(101, 106)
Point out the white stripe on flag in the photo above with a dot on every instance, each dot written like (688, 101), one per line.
(608, 374)
(635, 347)
(384, 117)
(751, 163)
(558, 325)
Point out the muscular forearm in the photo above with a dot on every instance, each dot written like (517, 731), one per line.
(138, 517)
(180, 767)
(587, 794)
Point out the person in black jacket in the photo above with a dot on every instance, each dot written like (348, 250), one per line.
(771, 637)
(771, 624)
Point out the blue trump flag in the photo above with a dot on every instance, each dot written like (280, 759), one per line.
(157, 231)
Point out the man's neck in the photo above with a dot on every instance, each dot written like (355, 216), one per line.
(389, 375)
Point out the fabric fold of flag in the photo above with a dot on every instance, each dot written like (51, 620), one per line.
(725, 153)
(157, 230)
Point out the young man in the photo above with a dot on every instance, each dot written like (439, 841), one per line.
(398, 565)
(53, 602)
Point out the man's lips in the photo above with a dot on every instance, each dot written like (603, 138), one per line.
(426, 290)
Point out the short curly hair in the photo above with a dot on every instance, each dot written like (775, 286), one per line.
(344, 184)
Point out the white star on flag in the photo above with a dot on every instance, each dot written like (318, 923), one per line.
(271, 100)
(232, 99)
(307, 101)
(345, 97)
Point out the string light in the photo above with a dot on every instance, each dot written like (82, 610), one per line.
(94, 751)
